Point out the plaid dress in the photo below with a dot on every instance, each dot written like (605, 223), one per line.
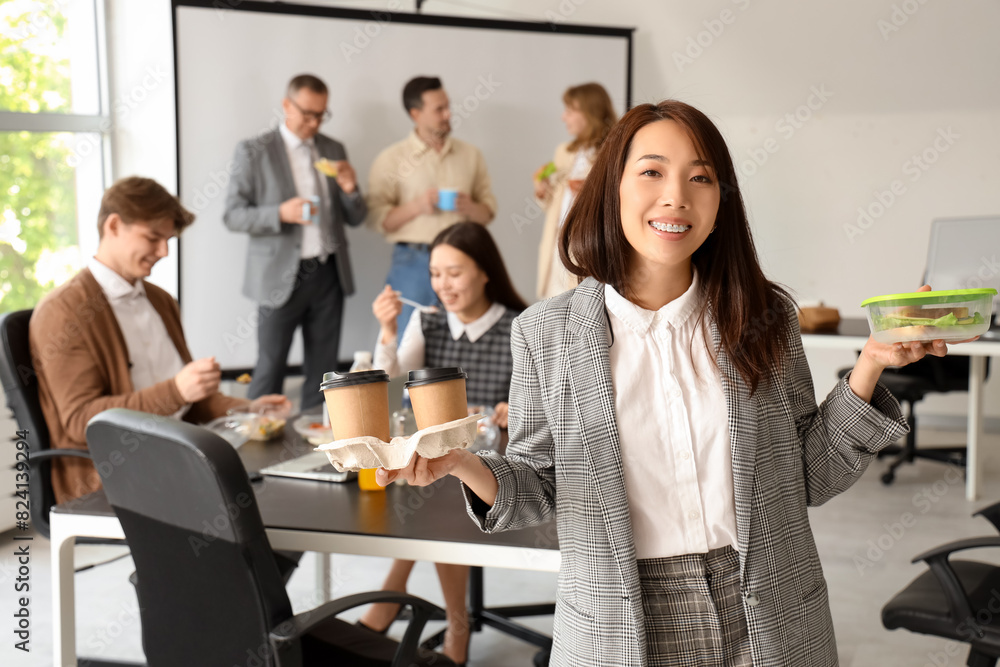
(487, 361)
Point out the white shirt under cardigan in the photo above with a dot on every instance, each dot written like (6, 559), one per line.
(301, 156)
(411, 352)
(151, 352)
(672, 428)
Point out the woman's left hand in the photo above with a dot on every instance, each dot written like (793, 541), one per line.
(500, 414)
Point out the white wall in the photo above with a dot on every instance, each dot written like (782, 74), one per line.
(886, 94)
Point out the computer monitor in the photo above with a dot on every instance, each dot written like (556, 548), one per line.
(964, 253)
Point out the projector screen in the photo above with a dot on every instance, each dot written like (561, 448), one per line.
(505, 80)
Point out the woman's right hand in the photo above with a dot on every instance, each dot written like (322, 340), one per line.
(543, 189)
(461, 463)
(386, 309)
(421, 471)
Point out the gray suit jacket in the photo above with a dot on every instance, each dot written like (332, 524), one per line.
(564, 457)
(262, 180)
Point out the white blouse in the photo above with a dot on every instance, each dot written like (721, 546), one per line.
(672, 428)
(151, 351)
(411, 352)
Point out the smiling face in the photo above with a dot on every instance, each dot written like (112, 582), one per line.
(131, 250)
(669, 198)
(459, 282)
(575, 120)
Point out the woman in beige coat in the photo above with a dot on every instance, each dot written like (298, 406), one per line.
(589, 116)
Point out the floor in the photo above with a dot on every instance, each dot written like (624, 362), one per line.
(866, 539)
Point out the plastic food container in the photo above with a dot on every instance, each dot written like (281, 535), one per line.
(951, 315)
(312, 429)
(254, 426)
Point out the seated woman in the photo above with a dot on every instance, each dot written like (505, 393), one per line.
(471, 330)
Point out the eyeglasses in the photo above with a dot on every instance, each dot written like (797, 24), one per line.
(319, 116)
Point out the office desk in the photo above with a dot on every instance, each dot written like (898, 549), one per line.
(852, 335)
(417, 523)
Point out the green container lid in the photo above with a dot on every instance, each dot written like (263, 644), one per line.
(933, 297)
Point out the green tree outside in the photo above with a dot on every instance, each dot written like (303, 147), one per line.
(38, 232)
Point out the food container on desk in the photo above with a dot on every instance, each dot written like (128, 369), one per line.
(238, 426)
(949, 315)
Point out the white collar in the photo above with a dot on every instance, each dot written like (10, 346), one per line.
(640, 320)
(113, 285)
(292, 140)
(475, 329)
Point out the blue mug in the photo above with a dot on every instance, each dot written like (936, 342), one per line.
(310, 210)
(447, 198)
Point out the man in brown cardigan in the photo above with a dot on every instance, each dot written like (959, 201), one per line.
(107, 338)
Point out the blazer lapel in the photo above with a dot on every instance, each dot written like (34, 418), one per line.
(589, 362)
(742, 418)
(282, 169)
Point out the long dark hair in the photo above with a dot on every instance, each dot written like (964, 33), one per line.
(746, 306)
(473, 239)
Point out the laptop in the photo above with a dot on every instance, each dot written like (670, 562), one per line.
(314, 465)
(963, 253)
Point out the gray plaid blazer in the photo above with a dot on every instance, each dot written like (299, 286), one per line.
(564, 457)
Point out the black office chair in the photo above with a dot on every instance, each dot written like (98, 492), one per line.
(20, 386)
(209, 598)
(911, 384)
(954, 599)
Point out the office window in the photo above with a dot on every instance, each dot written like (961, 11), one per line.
(54, 132)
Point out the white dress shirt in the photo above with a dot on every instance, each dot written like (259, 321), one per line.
(672, 428)
(410, 355)
(151, 352)
(301, 155)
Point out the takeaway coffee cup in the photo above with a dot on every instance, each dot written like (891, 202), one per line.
(359, 405)
(446, 199)
(437, 395)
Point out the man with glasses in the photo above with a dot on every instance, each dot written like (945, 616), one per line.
(293, 191)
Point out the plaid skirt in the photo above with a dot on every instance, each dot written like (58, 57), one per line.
(694, 611)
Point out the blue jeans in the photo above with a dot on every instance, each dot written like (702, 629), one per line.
(410, 274)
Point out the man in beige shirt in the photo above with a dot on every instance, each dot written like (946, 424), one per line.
(404, 202)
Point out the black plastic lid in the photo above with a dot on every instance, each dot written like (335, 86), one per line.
(432, 375)
(336, 380)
